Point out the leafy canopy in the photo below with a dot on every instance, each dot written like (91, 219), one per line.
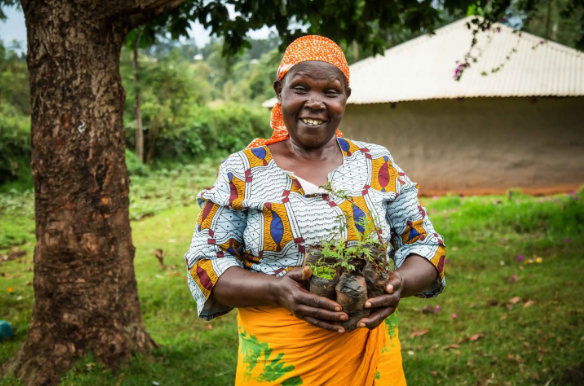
(367, 22)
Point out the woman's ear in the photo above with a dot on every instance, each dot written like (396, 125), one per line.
(278, 90)
(348, 92)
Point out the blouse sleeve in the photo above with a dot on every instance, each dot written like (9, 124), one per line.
(413, 233)
(217, 242)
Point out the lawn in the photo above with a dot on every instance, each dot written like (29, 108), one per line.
(512, 313)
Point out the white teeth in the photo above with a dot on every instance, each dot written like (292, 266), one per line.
(312, 122)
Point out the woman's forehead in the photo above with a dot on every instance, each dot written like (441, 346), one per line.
(316, 70)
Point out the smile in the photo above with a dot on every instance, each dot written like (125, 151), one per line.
(312, 122)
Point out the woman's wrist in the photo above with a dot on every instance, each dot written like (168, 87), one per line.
(274, 290)
(417, 274)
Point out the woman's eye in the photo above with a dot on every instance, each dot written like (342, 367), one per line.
(332, 92)
(299, 88)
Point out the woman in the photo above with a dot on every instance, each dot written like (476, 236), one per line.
(266, 207)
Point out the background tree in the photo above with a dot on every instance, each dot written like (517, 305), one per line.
(85, 290)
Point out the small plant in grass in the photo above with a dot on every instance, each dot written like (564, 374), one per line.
(349, 272)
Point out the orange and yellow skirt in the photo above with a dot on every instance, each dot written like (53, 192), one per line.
(275, 348)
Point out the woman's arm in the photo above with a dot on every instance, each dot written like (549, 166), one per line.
(238, 287)
(417, 274)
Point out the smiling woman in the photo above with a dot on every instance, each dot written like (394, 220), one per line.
(266, 209)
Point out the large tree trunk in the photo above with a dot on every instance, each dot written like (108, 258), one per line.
(137, 107)
(86, 298)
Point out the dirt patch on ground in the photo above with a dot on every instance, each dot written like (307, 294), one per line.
(573, 376)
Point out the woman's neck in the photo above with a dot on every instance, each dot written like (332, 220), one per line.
(313, 165)
(328, 151)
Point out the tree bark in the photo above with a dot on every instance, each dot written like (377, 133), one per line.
(137, 108)
(86, 297)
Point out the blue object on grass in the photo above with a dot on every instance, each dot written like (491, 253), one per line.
(6, 331)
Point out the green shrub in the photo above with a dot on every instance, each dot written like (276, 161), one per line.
(135, 167)
(204, 132)
(14, 144)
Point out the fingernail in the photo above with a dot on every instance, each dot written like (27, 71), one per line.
(340, 330)
(361, 324)
(390, 288)
(338, 309)
(344, 317)
(367, 305)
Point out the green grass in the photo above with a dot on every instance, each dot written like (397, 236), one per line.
(152, 192)
(535, 343)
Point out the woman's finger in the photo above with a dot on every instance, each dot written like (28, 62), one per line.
(316, 301)
(376, 318)
(324, 325)
(394, 283)
(383, 301)
(296, 274)
(320, 313)
(300, 273)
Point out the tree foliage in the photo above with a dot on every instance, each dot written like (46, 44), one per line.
(14, 116)
(367, 22)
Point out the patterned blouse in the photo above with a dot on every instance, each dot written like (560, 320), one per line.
(258, 217)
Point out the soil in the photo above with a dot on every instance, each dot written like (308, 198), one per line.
(351, 289)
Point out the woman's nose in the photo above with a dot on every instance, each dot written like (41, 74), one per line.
(315, 102)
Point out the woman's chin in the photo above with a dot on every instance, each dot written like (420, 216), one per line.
(314, 136)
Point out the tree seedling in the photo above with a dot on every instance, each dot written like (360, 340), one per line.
(349, 271)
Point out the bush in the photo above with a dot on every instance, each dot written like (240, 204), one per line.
(14, 144)
(205, 132)
(135, 167)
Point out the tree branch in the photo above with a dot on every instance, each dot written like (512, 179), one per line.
(138, 12)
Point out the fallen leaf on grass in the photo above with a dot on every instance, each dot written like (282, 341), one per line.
(12, 255)
(434, 373)
(475, 337)
(10, 290)
(516, 358)
(514, 300)
(492, 302)
(415, 333)
(208, 327)
(428, 309)
(452, 346)
(529, 303)
(174, 274)
(543, 350)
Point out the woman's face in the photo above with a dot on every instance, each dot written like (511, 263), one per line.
(313, 96)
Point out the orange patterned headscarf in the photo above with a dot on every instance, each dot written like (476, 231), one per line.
(304, 49)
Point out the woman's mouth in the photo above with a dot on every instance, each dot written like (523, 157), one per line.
(312, 122)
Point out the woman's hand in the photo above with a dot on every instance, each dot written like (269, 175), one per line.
(316, 310)
(384, 305)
